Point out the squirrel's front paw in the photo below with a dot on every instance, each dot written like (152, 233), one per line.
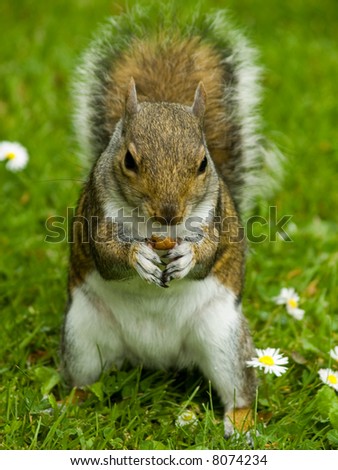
(144, 259)
(181, 261)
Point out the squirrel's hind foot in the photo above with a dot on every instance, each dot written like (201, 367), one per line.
(239, 423)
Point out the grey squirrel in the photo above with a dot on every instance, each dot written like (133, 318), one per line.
(166, 113)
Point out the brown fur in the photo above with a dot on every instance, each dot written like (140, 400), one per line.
(153, 147)
(80, 260)
(169, 71)
(170, 143)
(230, 259)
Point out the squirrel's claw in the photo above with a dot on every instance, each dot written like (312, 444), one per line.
(181, 261)
(146, 262)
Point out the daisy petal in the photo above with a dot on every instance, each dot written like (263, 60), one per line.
(15, 155)
(269, 360)
(329, 377)
(290, 298)
(285, 294)
(334, 353)
(296, 313)
(187, 418)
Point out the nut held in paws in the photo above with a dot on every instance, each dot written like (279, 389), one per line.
(160, 243)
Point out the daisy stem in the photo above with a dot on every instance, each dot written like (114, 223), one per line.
(256, 411)
(24, 180)
(266, 388)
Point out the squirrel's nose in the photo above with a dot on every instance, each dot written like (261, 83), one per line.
(168, 215)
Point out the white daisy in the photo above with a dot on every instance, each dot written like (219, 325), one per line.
(290, 298)
(186, 418)
(334, 353)
(329, 377)
(269, 360)
(14, 154)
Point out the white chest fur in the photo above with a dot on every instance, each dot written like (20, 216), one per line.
(143, 323)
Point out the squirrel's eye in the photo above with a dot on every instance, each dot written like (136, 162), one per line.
(129, 162)
(203, 165)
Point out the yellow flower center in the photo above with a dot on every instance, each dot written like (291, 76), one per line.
(10, 156)
(187, 416)
(332, 379)
(293, 303)
(267, 360)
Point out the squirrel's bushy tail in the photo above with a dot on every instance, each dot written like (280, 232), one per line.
(252, 166)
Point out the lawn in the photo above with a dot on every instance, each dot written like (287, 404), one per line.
(133, 408)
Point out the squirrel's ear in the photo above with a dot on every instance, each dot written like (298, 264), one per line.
(198, 107)
(131, 98)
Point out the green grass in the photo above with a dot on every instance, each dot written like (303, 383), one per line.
(135, 409)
